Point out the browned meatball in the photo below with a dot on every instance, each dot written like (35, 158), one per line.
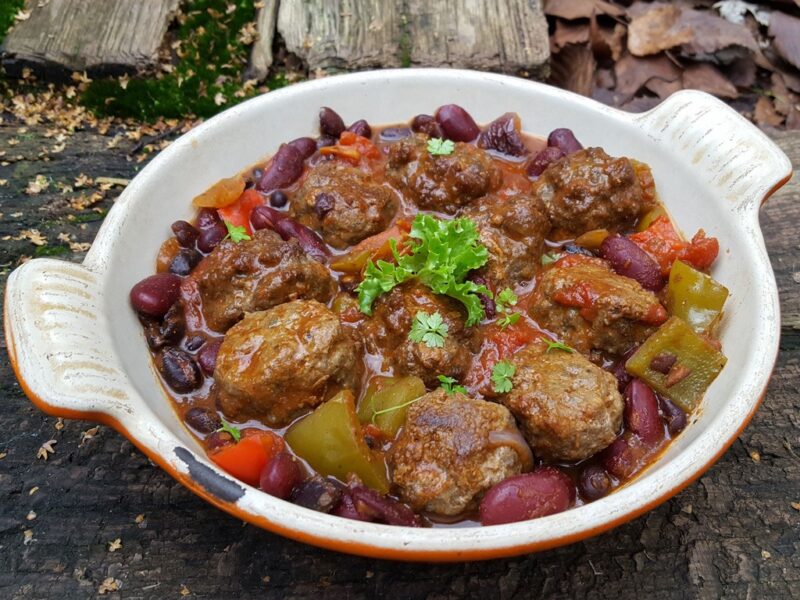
(276, 363)
(588, 306)
(255, 275)
(568, 407)
(441, 183)
(452, 449)
(343, 204)
(386, 333)
(513, 230)
(589, 190)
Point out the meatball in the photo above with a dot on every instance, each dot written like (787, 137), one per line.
(276, 363)
(568, 407)
(242, 277)
(589, 190)
(513, 230)
(452, 450)
(442, 183)
(386, 333)
(342, 204)
(588, 306)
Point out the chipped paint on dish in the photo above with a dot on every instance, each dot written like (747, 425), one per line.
(79, 352)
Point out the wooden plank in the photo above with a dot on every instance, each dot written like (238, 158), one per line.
(500, 35)
(732, 534)
(100, 36)
(261, 54)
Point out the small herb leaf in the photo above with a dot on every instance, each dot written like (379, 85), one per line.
(549, 258)
(237, 234)
(450, 386)
(428, 329)
(506, 299)
(558, 346)
(440, 147)
(233, 431)
(508, 319)
(502, 373)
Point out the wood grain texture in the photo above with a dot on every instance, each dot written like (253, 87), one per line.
(261, 54)
(500, 35)
(733, 534)
(93, 35)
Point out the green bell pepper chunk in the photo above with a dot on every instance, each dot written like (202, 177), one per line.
(694, 363)
(387, 400)
(331, 441)
(695, 297)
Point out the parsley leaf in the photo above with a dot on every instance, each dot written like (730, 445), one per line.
(442, 254)
(237, 234)
(549, 258)
(558, 346)
(508, 319)
(228, 428)
(428, 329)
(501, 376)
(450, 387)
(440, 147)
(505, 299)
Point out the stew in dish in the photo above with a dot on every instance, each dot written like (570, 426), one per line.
(434, 323)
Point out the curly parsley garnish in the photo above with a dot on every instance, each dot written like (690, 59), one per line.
(450, 386)
(428, 329)
(442, 254)
(508, 319)
(236, 234)
(558, 346)
(233, 431)
(440, 147)
(501, 377)
(504, 301)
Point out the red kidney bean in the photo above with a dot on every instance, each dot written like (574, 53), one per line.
(207, 218)
(278, 199)
(184, 261)
(305, 146)
(330, 123)
(456, 123)
(326, 140)
(564, 139)
(202, 420)
(624, 456)
(662, 363)
(185, 233)
(362, 128)
(211, 237)
(194, 343)
(284, 169)
(347, 509)
(393, 134)
(543, 492)
(318, 493)
(673, 415)
(207, 357)
(426, 124)
(628, 259)
(155, 295)
(502, 135)
(179, 370)
(280, 475)
(641, 412)
(265, 217)
(218, 439)
(620, 372)
(381, 508)
(308, 239)
(544, 159)
(594, 483)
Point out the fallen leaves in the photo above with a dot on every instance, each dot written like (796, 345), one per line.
(30, 516)
(37, 185)
(109, 584)
(785, 31)
(33, 235)
(115, 545)
(3, 455)
(89, 433)
(46, 449)
(708, 78)
(657, 29)
(27, 537)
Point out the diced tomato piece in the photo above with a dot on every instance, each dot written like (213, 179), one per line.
(246, 459)
(238, 213)
(365, 146)
(701, 253)
(499, 344)
(664, 244)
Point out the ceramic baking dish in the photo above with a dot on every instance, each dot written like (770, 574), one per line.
(79, 352)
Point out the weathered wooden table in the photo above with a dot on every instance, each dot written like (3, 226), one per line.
(733, 534)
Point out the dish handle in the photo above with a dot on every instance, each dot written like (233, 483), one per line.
(732, 154)
(58, 342)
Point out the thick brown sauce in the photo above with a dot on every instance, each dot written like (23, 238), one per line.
(514, 181)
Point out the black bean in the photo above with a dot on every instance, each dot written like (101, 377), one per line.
(184, 261)
(317, 493)
(278, 199)
(202, 420)
(594, 483)
(179, 370)
(185, 233)
(194, 343)
(330, 123)
(392, 134)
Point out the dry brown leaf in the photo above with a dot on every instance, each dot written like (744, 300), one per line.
(46, 449)
(33, 490)
(568, 33)
(27, 537)
(607, 42)
(633, 73)
(662, 88)
(59, 424)
(581, 9)
(707, 78)
(37, 185)
(109, 585)
(33, 235)
(3, 455)
(786, 33)
(742, 72)
(573, 69)
(139, 519)
(89, 433)
(31, 515)
(755, 456)
(184, 591)
(115, 545)
(657, 29)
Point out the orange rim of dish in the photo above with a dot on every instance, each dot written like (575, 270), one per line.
(370, 550)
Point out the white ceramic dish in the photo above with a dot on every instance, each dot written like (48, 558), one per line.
(78, 349)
